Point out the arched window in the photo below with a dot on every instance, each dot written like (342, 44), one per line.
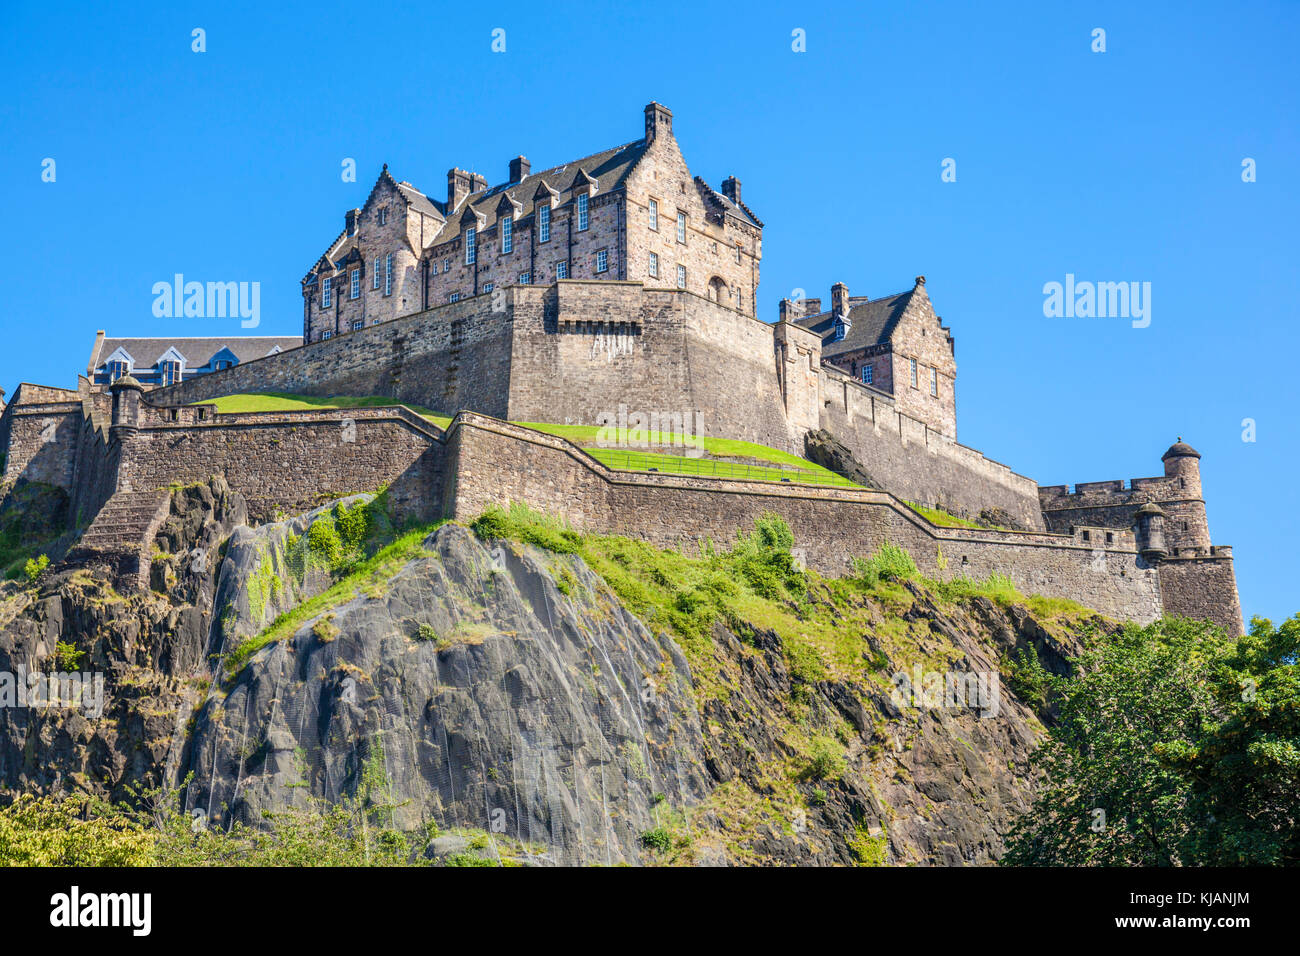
(718, 290)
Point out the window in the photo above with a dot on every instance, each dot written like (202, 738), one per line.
(911, 368)
(471, 247)
(455, 297)
(561, 270)
(220, 364)
(654, 215)
(446, 264)
(602, 260)
(508, 234)
(374, 279)
(544, 224)
(525, 278)
(681, 226)
(737, 252)
(358, 325)
(868, 374)
(489, 286)
(435, 269)
(354, 288)
(934, 381)
(654, 265)
(327, 334)
(681, 277)
(169, 373)
(582, 213)
(740, 299)
(383, 215)
(388, 274)
(325, 293)
(116, 370)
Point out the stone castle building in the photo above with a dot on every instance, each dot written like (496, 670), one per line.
(618, 280)
(631, 212)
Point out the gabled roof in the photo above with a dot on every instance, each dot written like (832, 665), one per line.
(871, 322)
(146, 353)
(737, 209)
(606, 170)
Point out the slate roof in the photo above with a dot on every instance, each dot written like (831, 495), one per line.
(871, 322)
(608, 168)
(198, 351)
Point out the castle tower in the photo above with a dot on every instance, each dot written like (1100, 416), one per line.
(1185, 526)
(127, 396)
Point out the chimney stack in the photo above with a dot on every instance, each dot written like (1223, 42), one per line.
(457, 187)
(840, 299)
(477, 182)
(658, 122)
(519, 168)
(350, 221)
(731, 189)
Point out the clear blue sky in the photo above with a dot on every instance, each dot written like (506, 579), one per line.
(1123, 165)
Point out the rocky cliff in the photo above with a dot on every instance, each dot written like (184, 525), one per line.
(530, 702)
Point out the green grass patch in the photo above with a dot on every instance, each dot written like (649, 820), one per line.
(371, 571)
(285, 402)
(937, 516)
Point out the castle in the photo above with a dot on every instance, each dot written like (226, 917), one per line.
(616, 280)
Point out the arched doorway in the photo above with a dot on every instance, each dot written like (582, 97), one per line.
(718, 290)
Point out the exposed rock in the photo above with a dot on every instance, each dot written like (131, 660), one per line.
(823, 448)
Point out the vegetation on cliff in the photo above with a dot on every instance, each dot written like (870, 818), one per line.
(1172, 744)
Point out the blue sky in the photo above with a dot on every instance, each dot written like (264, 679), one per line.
(1115, 166)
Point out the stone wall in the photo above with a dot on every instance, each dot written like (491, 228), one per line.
(1113, 504)
(492, 462)
(40, 442)
(290, 461)
(452, 357)
(918, 463)
(1202, 587)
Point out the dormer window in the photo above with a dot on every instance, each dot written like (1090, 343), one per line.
(544, 224)
(582, 213)
(841, 329)
(116, 370)
(508, 234)
(169, 372)
(471, 246)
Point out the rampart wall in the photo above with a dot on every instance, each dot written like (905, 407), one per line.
(918, 463)
(492, 462)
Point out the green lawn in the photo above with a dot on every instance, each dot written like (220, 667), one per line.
(282, 402)
(722, 457)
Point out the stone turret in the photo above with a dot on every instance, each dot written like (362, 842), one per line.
(127, 396)
(1150, 520)
(1183, 462)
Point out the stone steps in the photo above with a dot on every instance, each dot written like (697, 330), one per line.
(125, 528)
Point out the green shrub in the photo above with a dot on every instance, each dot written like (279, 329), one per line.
(425, 632)
(35, 567)
(826, 759)
(658, 839)
(67, 656)
(521, 523)
(889, 563)
(353, 525)
(324, 542)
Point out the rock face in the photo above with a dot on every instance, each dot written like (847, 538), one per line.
(505, 690)
(474, 692)
(826, 450)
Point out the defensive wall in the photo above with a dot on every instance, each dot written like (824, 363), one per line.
(570, 352)
(287, 462)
